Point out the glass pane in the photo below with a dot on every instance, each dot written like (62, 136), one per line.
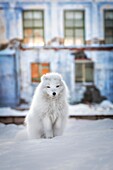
(39, 41)
(109, 15)
(78, 15)
(38, 23)
(89, 72)
(34, 70)
(109, 23)
(69, 41)
(28, 15)
(79, 23)
(109, 40)
(69, 23)
(30, 41)
(79, 76)
(79, 41)
(69, 15)
(28, 32)
(109, 32)
(26, 40)
(45, 65)
(38, 32)
(37, 15)
(28, 23)
(79, 33)
(69, 33)
(45, 70)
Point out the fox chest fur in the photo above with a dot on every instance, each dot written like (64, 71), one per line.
(54, 110)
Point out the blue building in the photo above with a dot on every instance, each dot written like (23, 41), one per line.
(39, 36)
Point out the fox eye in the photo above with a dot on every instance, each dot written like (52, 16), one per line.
(57, 86)
(48, 87)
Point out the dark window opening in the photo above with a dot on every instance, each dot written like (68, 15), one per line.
(108, 26)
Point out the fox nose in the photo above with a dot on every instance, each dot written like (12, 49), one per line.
(54, 93)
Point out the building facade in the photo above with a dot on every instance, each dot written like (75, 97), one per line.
(72, 37)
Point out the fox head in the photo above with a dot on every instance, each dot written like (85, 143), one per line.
(53, 85)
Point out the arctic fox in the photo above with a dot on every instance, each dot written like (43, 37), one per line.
(49, 108)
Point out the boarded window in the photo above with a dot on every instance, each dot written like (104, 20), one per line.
(74, 29)
(38, 69)
(108, 26)
(84, 71)
(33, 27)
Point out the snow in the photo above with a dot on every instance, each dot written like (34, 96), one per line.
(106, 104)
(104, 108)
(6, 111)
(83, 109)
(85, 145)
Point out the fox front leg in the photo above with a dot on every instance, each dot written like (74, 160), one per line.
(48, 131)
(58, 127)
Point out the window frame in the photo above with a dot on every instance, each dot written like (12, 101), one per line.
(105, 36)
(33, 28)
(74, 27)
(40, 65)
(84, 70)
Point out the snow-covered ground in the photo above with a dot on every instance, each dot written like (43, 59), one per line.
(85, 145)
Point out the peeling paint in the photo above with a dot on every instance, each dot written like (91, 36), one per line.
(2, 28)
(58, 55)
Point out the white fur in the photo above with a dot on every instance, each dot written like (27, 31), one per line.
(47, 114)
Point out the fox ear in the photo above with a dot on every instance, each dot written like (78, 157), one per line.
(61, 77)
(44, 77)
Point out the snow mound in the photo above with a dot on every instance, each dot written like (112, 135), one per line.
(79, 109)
(106, 104)
(105, 108)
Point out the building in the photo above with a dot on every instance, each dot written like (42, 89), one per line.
(72, 37)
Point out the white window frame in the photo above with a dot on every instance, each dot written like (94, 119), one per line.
(87, 17)
(45, 8)
(101, 9)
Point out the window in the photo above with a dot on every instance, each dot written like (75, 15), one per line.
(84, 71)
(33, 27)
(74, 30)
(38, 69)
(108, 26)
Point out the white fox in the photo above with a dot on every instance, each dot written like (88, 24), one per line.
(49, 108)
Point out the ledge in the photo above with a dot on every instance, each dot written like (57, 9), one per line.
(18, 120)
(91, 117)
(12, 119)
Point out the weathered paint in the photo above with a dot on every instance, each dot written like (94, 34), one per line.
(54, 16)
(8, 79)
(104, 73)
(2, 27)
(61, 61)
